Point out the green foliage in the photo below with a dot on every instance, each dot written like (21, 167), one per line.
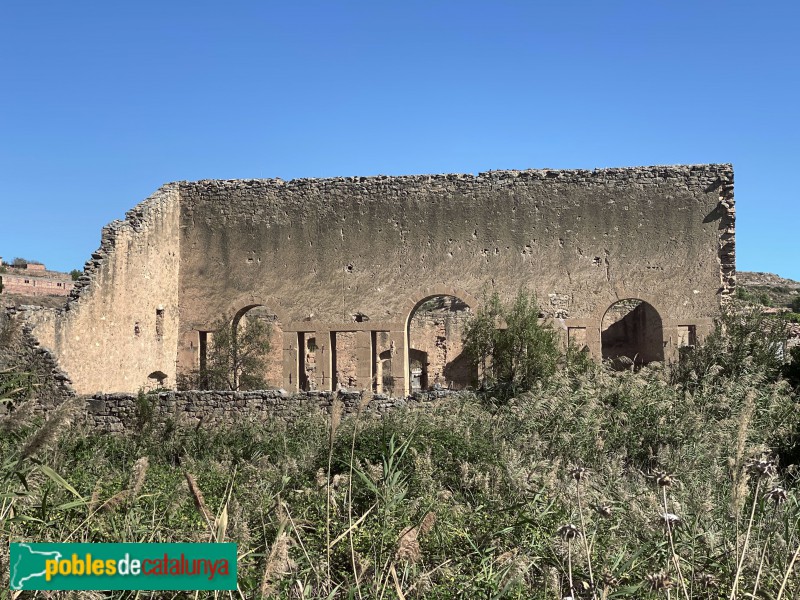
(516, 357)
(236, 360)
(796, 304)
(743, 341)
(145, 410)
(483, 490)
(16, 385)
(75, 274)
(791, 369)
(761, 297)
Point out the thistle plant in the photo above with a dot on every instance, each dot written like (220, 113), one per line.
(579, 474)
(762, 469)
(569, 533)
(665, 480)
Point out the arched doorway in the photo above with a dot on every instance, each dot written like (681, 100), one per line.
(632, 334)
(244, 352)
(435, 347)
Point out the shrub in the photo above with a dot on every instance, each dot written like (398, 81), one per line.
(743, 341)
(791, 370)
(513, 358)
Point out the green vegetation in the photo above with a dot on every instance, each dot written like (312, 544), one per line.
(513, 351)
(75, 274)
(761, 288)
(16, 386)
(791, 370)
(755, 296)
(796, 304)
(21, 263)
(743, 341)
(235, 358)
(663, 483)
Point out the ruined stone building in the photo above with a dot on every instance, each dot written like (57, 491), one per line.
(366, 281)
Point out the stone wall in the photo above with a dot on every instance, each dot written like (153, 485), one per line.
(35, 367)
(116, 413)
(321, 253)
(121, 322)
(353, 257)
(35, 286)
(435, 335)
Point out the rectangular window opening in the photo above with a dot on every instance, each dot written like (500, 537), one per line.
(687, 336)
(159, 324)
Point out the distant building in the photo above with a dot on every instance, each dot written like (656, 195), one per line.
(35, 280)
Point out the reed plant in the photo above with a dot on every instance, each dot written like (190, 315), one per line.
(594, 485)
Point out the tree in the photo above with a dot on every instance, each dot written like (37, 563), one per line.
(512, 349)
(75, 274)
(796, 303)
(236, 357)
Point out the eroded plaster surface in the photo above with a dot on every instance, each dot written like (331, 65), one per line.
(347, 260)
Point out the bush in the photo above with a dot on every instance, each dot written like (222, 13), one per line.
(743, 341)
(513, 358)
(796, 304)
(791, 370)
(235, 359)
(753, 297)
(454, 501)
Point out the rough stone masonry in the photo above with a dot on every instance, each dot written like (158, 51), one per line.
(343, 264)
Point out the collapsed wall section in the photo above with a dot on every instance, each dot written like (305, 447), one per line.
(119, 329)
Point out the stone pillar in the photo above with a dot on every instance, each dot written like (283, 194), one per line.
(324, 357)
(364, 359)
(291, 362)
(401, 379)
(378, 376)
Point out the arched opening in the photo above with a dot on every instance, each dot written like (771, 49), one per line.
(632, 334)
(159, 377)
(435, 345)
(254, 356)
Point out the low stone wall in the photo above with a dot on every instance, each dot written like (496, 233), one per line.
(117, 413)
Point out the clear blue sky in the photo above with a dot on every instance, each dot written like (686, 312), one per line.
(103, 102)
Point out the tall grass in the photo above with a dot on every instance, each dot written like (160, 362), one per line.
(464, 500)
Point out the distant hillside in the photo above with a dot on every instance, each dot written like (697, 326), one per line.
(767, 289)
